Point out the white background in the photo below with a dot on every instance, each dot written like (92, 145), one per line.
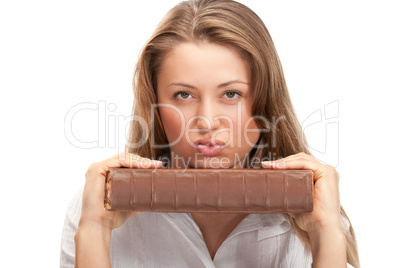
(57, 54)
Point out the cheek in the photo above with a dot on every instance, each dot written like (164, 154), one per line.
(250, 130)
(173, 122)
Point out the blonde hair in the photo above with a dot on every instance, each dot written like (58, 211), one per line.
(227, 23)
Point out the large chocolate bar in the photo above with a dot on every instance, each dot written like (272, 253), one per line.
(209, 190)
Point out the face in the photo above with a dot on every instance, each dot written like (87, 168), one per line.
(204, 99)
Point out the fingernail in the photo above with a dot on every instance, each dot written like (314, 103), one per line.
(267, 163)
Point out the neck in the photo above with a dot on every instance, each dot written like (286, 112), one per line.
(216, 227)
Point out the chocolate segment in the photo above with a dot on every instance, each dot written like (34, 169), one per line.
(209, 190)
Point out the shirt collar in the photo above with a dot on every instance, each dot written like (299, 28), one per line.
(267, 225)
(274, 224)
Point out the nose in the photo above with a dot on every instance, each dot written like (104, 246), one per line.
(206, 113)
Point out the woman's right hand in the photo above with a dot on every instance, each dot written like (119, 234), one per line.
(92, 238)
(94, 191)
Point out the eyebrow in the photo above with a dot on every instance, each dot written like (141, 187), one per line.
(220, 86)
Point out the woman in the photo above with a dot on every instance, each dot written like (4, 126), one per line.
(210, 92)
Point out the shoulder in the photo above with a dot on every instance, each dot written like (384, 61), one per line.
(67, 248)
(73, 213)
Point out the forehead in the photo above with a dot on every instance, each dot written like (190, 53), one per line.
(203, 61)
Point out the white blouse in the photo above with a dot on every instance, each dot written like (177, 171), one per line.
(174, 240)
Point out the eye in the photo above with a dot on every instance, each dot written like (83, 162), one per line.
(182, 94)
(231, 94)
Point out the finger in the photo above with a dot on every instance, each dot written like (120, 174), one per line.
(292, 163)
(133, 161)
(300, 155)
(291, 214)
(279, 162)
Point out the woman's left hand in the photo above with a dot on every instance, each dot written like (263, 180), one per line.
(326, 204)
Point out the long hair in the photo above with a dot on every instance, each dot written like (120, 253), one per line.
(227, 23)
